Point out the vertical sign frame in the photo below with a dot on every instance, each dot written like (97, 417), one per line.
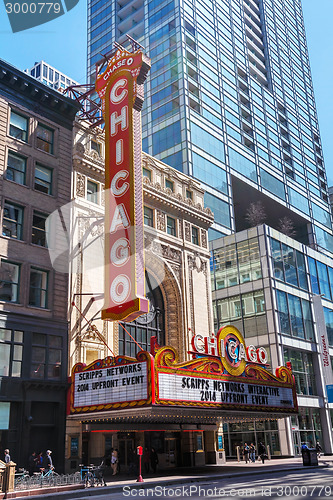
(120, 87)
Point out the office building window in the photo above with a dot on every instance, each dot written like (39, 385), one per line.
(329, 324)
(38, 236)
(321, 278)
(234, 264)
(9, 281)
(16, 168)
(171, 226)
(92, 191)
(46, 356)
(302, 366)
(38, 288)
(195, 235)
(12, 221)
(45, 139)
(11, 353)
(43, 179)
(246, 312)
(288, 265)
(18, 126)
(148, 216)
(295, 316)
(189, 194)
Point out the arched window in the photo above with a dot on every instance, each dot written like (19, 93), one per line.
(145, 326)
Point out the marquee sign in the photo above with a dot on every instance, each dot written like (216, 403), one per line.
(111, 383)
(203, 382)
(228, 345)
(120, 88)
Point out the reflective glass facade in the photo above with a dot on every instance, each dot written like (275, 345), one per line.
(229, 96)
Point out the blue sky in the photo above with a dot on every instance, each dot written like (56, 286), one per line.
(62, 43)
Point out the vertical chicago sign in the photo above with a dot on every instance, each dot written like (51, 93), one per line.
(120, 88)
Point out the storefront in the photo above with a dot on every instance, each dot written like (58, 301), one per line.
(192, 413)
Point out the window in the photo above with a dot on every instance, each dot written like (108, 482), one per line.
(46, 356)
(288, 265)
(38, 288)
(18, 126)
(148, 216)
(195, 235)
(92, 191)
(11, 353)
(171, 226)
(45, 139)
(189, 194)
(16, 167)
(9, 281)
(95, 146)
(302, 366)
(146, 173)
(12, 221)
(169, 184)
(43, 179)
(147, 325)
(38, 236)
(295, 316)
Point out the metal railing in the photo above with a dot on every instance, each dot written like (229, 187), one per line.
(23, 481)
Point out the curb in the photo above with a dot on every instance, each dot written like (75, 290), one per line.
(117, 488)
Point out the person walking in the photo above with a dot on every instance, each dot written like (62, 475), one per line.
(7, 456)
(146, 460)
(246, 451)
(252, 453)
(153, 459)
(32, 463)
(318, 449)
(48, 460)
(262, 451)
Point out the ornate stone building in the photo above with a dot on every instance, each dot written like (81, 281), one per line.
(177, 274)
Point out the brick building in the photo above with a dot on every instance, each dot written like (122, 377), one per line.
(35, 161)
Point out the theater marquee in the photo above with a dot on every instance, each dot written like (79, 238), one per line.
(206, 381)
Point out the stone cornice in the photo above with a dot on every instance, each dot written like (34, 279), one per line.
(28, 92)
(175, 201)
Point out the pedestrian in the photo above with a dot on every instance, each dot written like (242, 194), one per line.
(318, 449)
(252, 453)
(32, 463)
(48, 460)
(7, 456)
(114, 462)
(153, 459)
(40, 461)
(246, 451)
(262, 451)
(146, 460)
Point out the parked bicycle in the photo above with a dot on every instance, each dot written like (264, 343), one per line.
(21, 478)
(92, 475)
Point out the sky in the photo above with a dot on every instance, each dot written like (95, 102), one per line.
(62, 43)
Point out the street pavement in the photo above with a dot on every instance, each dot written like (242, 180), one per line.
(233, 480)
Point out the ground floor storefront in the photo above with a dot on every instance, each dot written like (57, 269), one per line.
(181, 438)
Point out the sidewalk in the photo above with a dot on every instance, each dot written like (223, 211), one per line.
(184, 475)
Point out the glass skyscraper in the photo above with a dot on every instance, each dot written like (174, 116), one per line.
(230, 102)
